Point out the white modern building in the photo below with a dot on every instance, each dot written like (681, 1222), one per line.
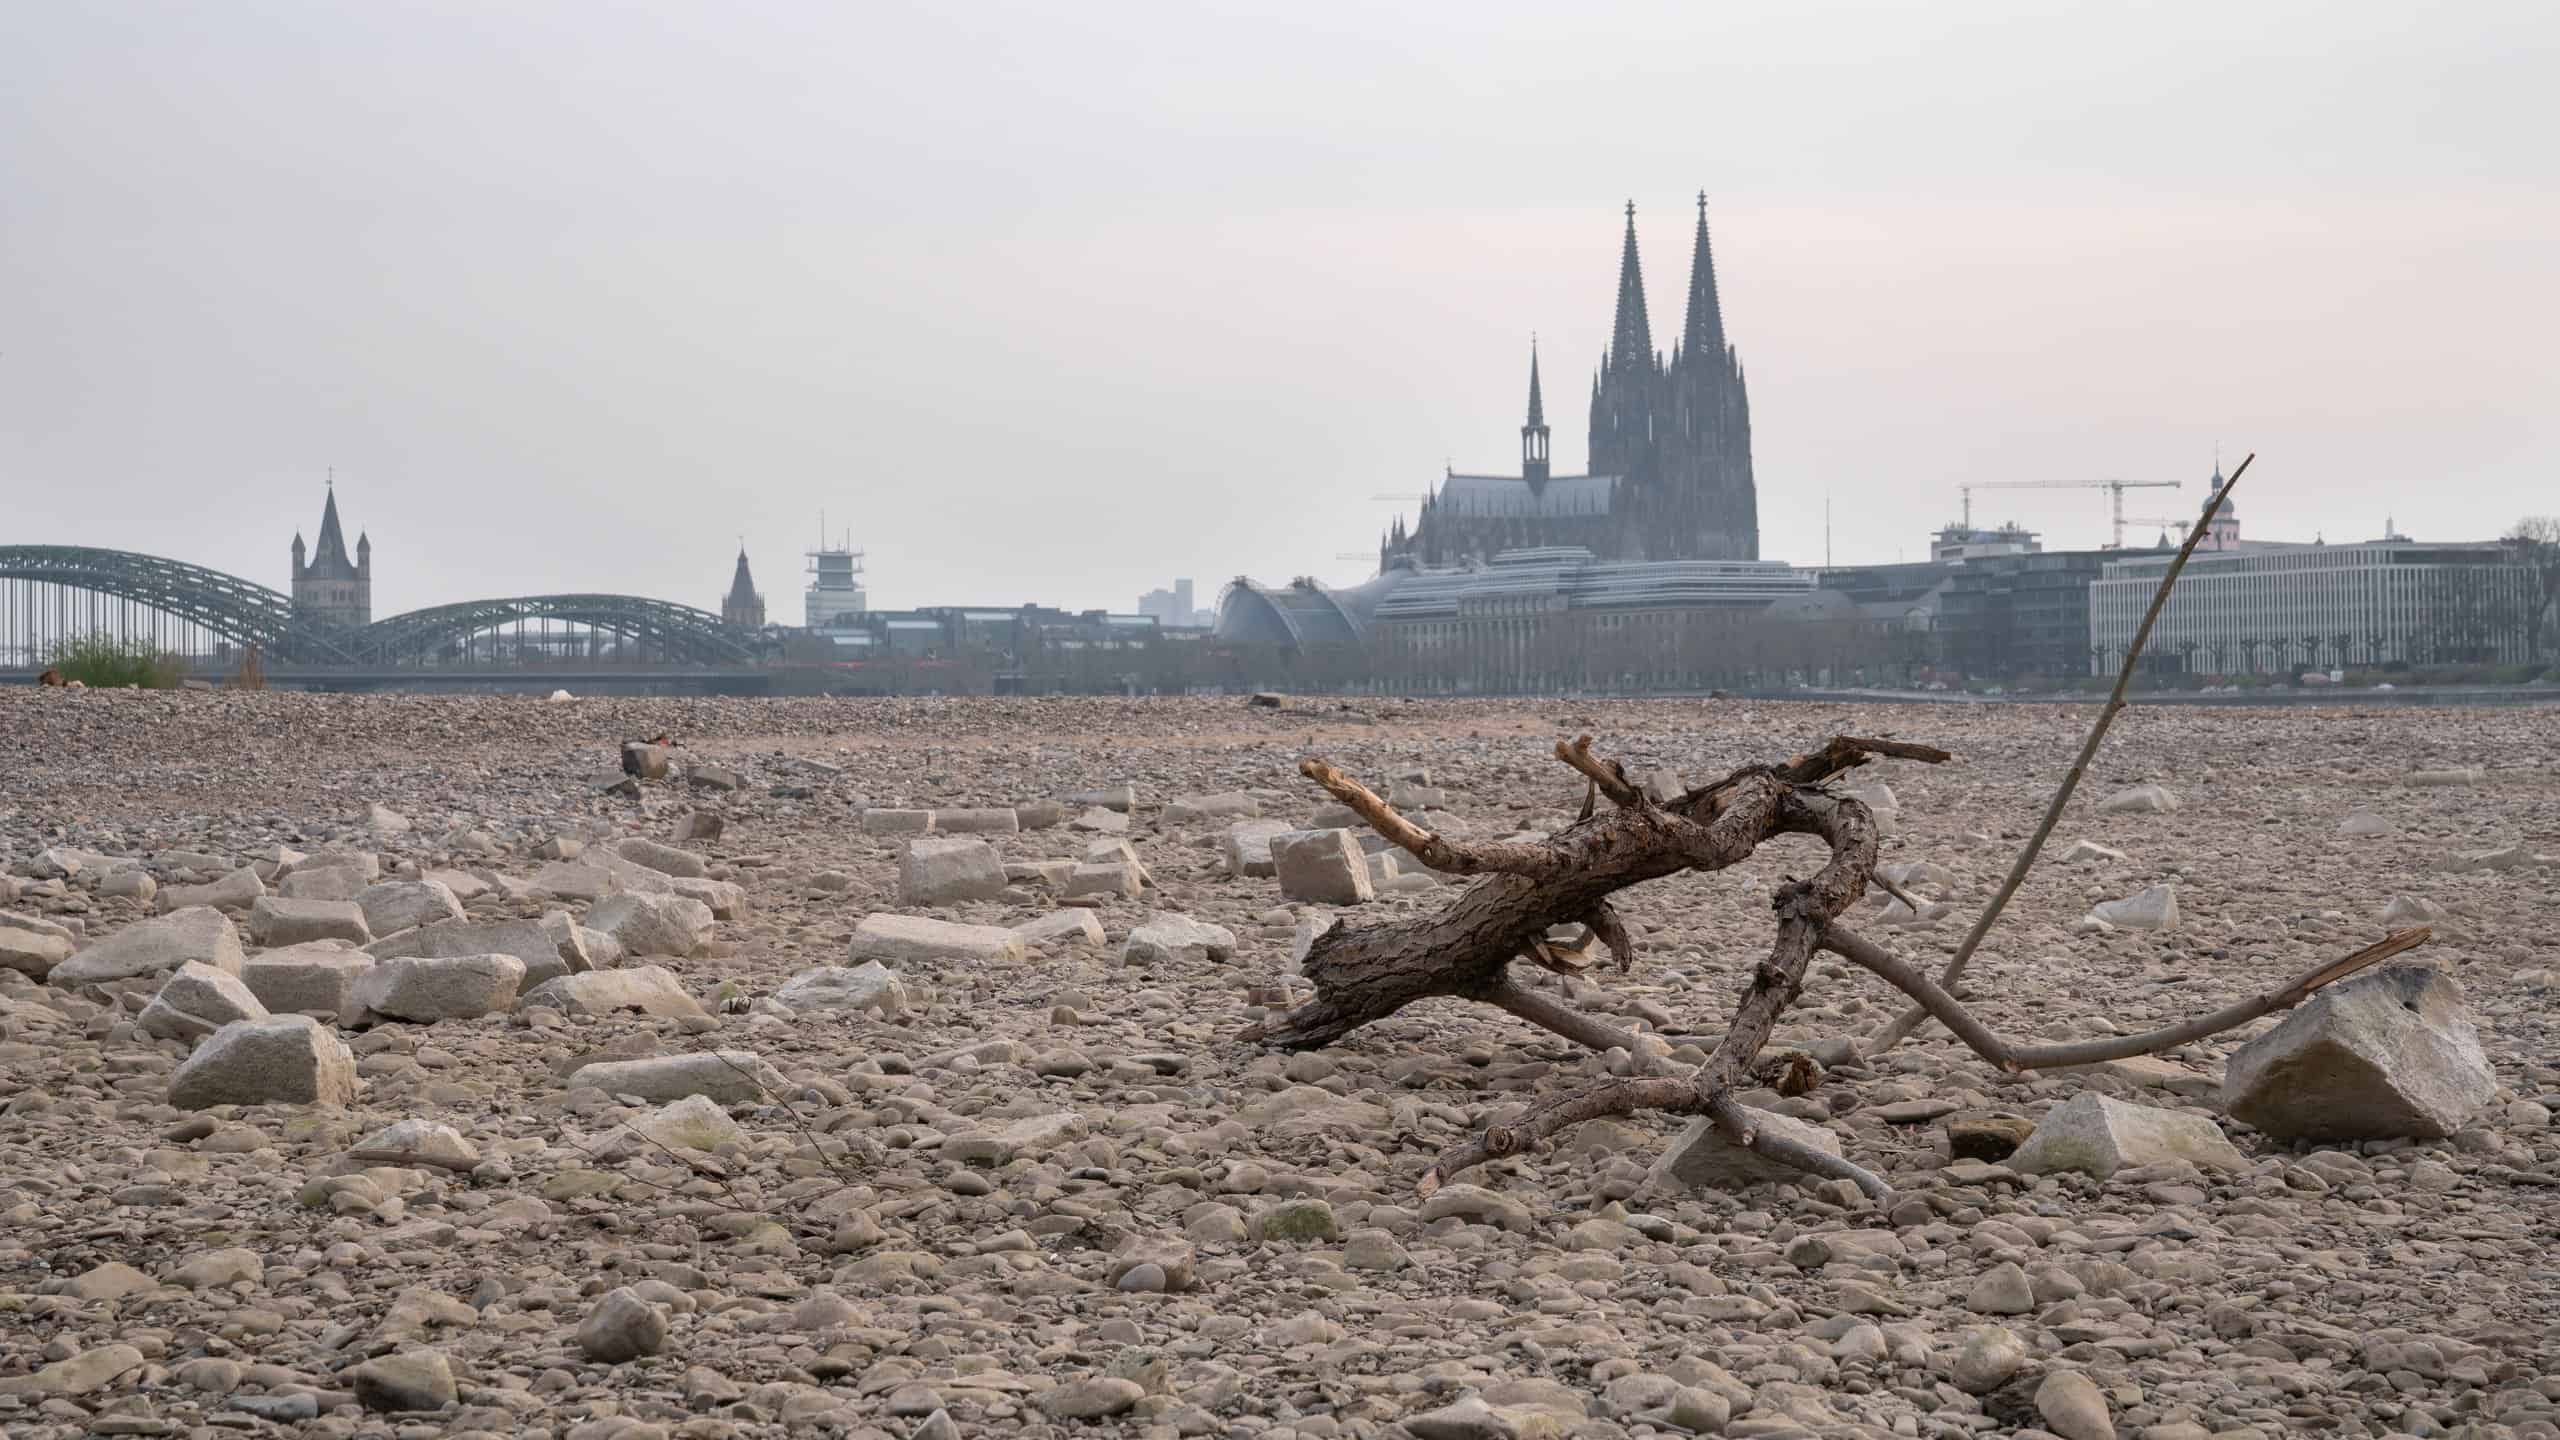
(835, 584)
(2277, 609)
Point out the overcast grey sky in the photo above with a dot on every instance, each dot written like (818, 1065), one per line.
(1058, 302)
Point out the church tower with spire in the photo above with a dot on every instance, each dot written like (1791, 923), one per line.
(743, 609)
(1670, 475)
(1534, 456)
(1707, 441)
(329, 587)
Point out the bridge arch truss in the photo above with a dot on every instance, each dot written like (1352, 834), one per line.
(53, 593)
(446, 633)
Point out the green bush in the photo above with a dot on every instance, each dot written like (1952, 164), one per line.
(103, 662)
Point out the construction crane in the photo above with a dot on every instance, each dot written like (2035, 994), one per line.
(2115, 494)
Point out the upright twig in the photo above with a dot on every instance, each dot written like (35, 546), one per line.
(1912, 1019)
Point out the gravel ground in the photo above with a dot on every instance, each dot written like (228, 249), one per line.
(1054, 1195)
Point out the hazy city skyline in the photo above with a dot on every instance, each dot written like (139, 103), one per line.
(1051, 307)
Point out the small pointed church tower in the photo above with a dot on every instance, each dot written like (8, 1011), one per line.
(1534, 465)
(744, 608)
(331, 588)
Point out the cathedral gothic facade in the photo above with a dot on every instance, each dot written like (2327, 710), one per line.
(1670, 473)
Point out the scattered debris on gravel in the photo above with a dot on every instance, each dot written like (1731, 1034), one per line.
(399, 1065)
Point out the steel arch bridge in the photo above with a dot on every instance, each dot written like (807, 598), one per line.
(235, 609)
(679, 632)
(247, 613)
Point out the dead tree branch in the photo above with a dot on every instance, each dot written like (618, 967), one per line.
(1527, 888)
(2018, 1059)
(1909, 1020)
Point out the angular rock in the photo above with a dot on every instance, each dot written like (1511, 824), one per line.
(976, 822)
(408, 1381)
(668, 925)
(1120, 877)
(1100, 821)
(695, 1122)
(2412, 910)
(1193, 809)
(1030, 1135)
(2084, 852)
(2518, 856)
(198, 1000)
(2139, 800)
(621, 1327)
(2385, 1055)
(2099, 1136)
(364, 862)
(1987, 1360)
(897, 822)
(397, 905)
(1988, 1138)
(155, 947)
(665, 859)
(574, 880)
(315, 979)
(333, 882)
(236, 891)
(727, 1077)
(418, 1142)
(1168, 937)
(867, 986)
(134, 885)
(1122, 798)
(1096, 1397)
(274, 920)
(282, 1060)
(1325, 866)
(900, 941)
(31, 951)
(2155, 908)
(423, 991)
(648, 989)
(90, 1370)
(1068, 926)
(548, 948)
(1246, 848)
(945, 872)
(1702, 1159)
(2074, 1407)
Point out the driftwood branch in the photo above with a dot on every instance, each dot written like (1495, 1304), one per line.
(1494, 858)
(2017, 1059)
(1909, 1020)
(1465, 950)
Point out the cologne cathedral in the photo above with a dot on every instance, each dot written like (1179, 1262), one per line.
(1670, 473)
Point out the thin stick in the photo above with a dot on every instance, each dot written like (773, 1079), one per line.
(1897, 892)
(2016, 1059)
(1912, 1019)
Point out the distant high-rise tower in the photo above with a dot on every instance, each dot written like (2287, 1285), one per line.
(744, 608)
(1670, 475)
(331, 588)
(835, 582)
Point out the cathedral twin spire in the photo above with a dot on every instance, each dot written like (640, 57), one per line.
(1631, 336)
